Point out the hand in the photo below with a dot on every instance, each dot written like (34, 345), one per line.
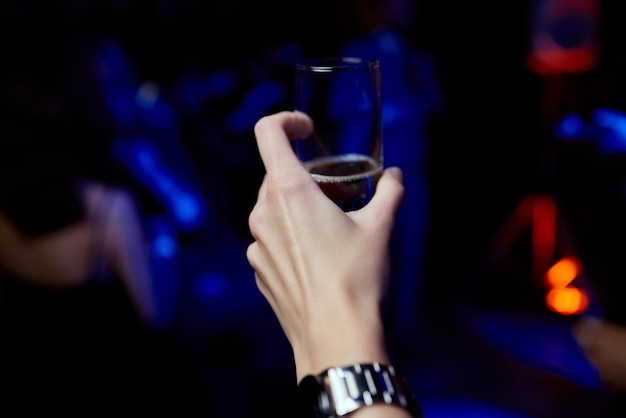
(604, 344)
(323, 271)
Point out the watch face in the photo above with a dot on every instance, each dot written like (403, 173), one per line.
(309, 399)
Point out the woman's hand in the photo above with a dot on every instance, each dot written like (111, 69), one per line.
(323, 271)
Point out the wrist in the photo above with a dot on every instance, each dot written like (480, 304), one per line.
(340, 341)
(359, 389)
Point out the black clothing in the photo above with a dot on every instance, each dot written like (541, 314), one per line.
(62, 347)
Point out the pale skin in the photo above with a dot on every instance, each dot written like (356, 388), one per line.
(323, 271)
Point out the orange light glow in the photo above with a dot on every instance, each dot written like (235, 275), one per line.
(567, 300)
(563, 272)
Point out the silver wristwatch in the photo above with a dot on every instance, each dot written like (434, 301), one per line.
(339, 391)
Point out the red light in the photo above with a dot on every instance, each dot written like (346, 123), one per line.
(540, 213)
(564, 36)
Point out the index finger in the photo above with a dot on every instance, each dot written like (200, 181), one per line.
(273, 134)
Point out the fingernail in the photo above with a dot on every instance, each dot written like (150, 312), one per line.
(396, 172)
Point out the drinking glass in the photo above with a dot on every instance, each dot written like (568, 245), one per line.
(344, 154)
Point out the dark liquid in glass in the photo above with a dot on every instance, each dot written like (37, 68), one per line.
(348, 180)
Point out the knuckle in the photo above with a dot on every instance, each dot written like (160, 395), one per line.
(262, 124)
(250, 253)
(255, 222)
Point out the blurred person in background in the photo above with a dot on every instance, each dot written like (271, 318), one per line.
(604, 343)
(81, 330)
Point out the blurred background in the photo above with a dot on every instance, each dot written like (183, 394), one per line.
(508, 118)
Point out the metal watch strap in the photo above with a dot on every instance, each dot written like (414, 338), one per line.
(350, 388)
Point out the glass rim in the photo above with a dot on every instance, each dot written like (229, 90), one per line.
(329, 64)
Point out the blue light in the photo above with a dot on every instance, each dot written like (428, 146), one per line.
(210, 284)
(388, 43)
(164, 184)
(256, 103)
(116, 79)
(545, 344)
(391, 113)
(164, 246)
(144, 158)
(195, 91)
(145, 162)
(608, 129)
(611, 118)
(160, 115)
(186, 207)
(612, 136)
(121, 107)
(571, 126)
(463, 408)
